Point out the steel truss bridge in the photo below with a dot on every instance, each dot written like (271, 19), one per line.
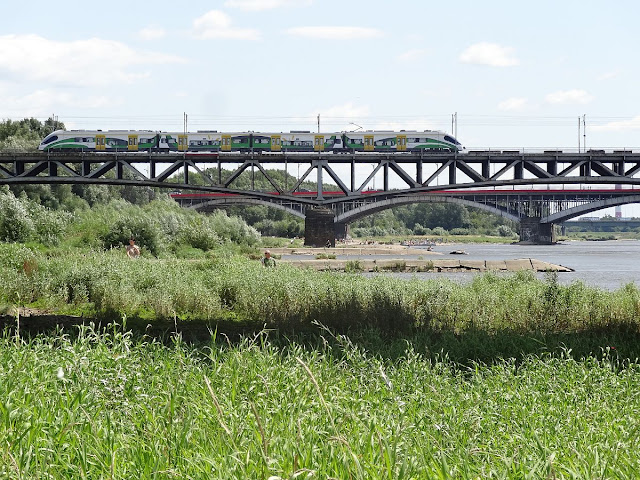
(550, 187)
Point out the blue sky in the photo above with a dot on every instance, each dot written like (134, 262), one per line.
(518, 74)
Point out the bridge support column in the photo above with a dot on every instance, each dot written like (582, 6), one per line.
(341, 230)
(534, 232)
(319, 227)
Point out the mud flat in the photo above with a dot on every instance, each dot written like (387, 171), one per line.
(435, 265)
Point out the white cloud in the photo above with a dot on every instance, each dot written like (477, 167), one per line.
(574, 96)
(335, 33)
(491, 54)
(152, 33)
(609, 75)
(92, 62)
(259, 5)
(619, 126)
(44, 101)
(217, 24)
(413, 55)
(513, 104)
(347, 110)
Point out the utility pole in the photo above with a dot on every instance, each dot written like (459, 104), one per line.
(454, 125)
(318, 123)
(185, 123)
(584, 132)
(578, 134)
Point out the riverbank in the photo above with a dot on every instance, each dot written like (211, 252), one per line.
(399, 260)
(435, 265)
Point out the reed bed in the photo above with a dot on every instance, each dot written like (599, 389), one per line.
(106, 285)
(103, 404)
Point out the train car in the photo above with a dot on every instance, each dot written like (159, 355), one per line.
(100, 141)
(402, 141)
(113, 141)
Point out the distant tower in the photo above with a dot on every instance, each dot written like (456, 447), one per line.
(618, 208)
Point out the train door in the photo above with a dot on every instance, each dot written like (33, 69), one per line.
(401, 143)
(133, 143)
(318, 143)
(183, 143)
(225, 143)
(368, 143)
(100, 143)
(276, 143)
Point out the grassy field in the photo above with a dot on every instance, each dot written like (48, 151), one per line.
(106, 405)
(301, 374)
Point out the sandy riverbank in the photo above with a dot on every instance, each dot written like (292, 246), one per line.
(428, 261)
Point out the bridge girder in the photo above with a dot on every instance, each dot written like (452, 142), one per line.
(476, 170)
(228, 202)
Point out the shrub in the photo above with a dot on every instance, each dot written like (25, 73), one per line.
(505, 231)
(141, 227)
(16, 224)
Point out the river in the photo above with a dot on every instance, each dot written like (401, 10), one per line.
(607, 264)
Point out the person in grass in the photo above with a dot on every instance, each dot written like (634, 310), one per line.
(268, 260)
(133, 251)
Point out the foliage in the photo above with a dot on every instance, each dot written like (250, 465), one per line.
(23, 220)
(25, 135)
(505, 231)
(159, 227)
(425, 218)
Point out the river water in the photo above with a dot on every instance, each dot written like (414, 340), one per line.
(606, 264)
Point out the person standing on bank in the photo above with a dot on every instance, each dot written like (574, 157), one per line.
(133, 251)
(268, 260)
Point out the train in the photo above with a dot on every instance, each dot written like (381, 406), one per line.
(214, 141)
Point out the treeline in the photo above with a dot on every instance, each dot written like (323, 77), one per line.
(439, 219)
(418, 219)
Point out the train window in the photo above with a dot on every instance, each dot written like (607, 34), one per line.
(447, 138)
(50, 139)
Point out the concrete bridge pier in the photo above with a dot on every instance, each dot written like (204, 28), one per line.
(341, 230)
(319, 227)
(534, 232)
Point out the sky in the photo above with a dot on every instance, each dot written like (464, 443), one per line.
(519, 75)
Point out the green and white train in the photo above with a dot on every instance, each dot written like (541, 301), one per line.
(213, 141)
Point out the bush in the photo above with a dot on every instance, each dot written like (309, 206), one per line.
(23, 220)
(16, 224)
(418, 229)
(505, 231)
(141, 227)
(198, 234)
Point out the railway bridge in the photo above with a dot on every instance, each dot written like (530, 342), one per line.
(536, 189)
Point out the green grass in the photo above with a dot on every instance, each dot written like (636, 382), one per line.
(106, 405)
(220, 288)
(504, 377)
